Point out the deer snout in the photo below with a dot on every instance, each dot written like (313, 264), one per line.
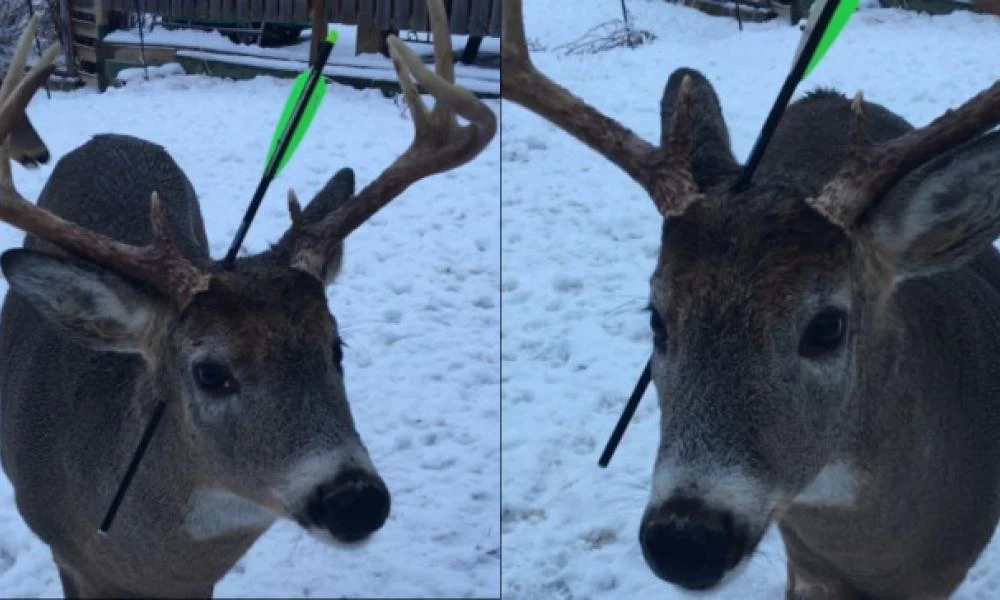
(689, 544)
(351, 507)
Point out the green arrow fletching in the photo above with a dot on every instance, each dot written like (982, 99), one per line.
(286, 114)
(845, 9)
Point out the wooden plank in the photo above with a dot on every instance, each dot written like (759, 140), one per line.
(349, 12)
(271, 10)
(242, 10)
(286, 11)
(215, 9)
(301, 12)
(401, 13)
(460, 17)
(367, 41)
(84, 52)
(418, 18)
(65, 11)
(86, 29)
(495, 22)
(256, 10)
(383, 15)
(204, 8)
(100, 12)
(155, 55)
(319, 28)
(479, 17)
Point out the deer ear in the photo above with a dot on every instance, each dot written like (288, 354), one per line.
(97, 309)
(337, 191)
(944, 213)
(712, 159)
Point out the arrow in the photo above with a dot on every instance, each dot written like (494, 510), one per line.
(826, 21)
(841, 14)
(300, 108)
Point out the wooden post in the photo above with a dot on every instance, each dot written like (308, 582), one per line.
(319, 27)
(65, 16)
(369, 39)
(100, 12)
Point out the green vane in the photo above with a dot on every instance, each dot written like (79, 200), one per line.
(298, 88)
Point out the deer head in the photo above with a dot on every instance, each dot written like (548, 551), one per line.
(249, 358)
(772, 307)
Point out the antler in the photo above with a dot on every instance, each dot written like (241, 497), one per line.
(871, 169)
(158, 264)
(439, 143)
(664, 172)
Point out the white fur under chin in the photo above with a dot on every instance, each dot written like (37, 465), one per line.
(215, 512)
(837, 485)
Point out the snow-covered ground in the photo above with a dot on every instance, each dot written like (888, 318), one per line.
(580, 242)
(418, 304)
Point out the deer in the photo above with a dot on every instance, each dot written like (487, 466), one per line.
(825, 338)
(115, 304)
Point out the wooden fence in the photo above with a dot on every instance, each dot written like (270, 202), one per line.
(468, 17)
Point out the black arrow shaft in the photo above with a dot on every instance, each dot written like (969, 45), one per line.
(279, 154)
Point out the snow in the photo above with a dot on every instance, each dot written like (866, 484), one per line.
(157, 72)
(580, 241)
(418, 304)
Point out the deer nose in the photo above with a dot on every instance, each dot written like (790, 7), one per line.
(690, 545)
(352, 506)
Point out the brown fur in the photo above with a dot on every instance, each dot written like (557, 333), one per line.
(71, 412)
(910, 405)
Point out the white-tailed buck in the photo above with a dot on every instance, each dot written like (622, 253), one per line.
(116, 305)
(827, 339)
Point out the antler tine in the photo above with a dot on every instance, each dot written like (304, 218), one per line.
(15, 70)
(668, 182)
(159, 264)
(294, 210)
(870, 171)
(858, 143)
(439, 143)
(443, 58)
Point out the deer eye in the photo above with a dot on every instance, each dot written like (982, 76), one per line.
(659, 330)
(215, 379)
(824, 334)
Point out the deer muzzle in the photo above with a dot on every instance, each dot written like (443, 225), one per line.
(689, 544)
(351, 507)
